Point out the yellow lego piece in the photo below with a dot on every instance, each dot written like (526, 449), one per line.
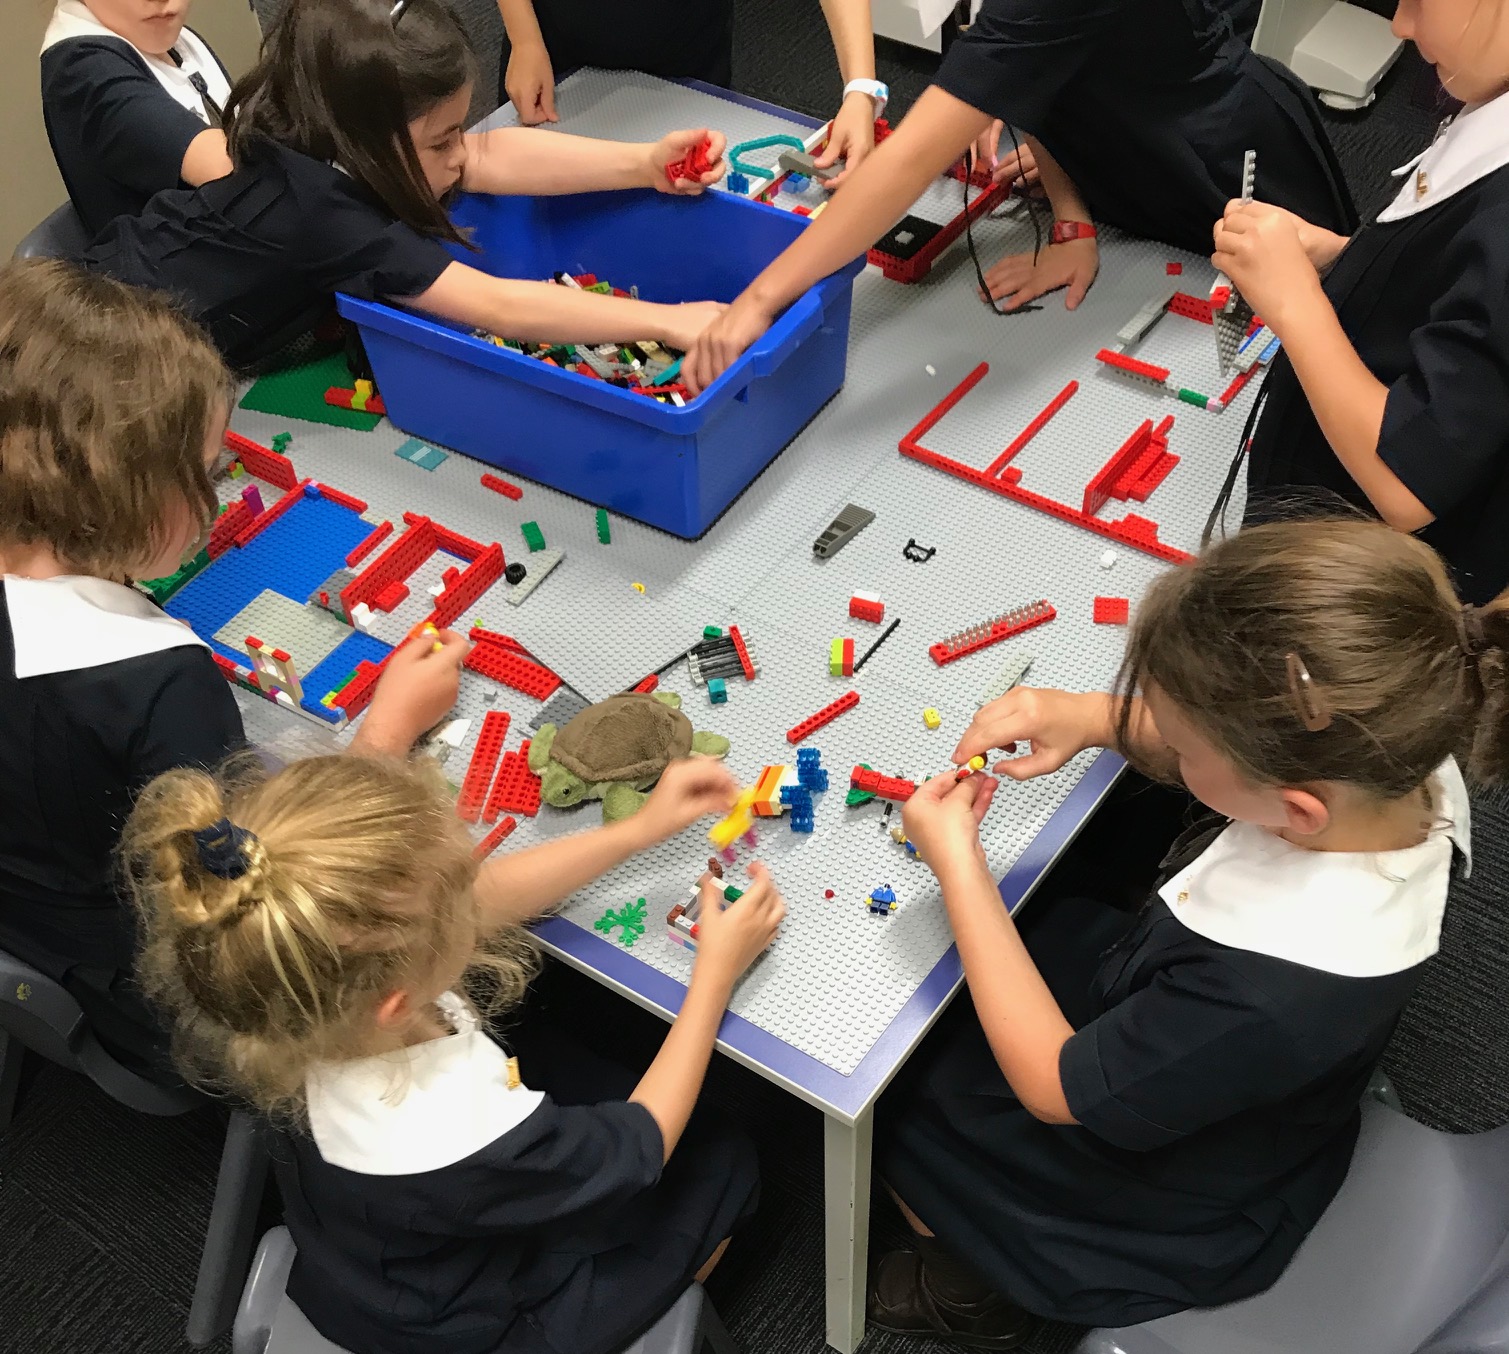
(931, 718)
(740, 819)
(638, 587)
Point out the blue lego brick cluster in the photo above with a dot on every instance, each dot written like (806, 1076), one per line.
(809, 770)
(330, 674)
(800, 800)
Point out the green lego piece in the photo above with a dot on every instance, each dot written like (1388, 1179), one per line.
(604, 534)
(602, 288)
(160, 589)
(280, 443)
(859, 796)
(237, 470)
(732, 895)
(534, 538)
(299, 392)
(711, 632)
(629, 918)
(1195, 398)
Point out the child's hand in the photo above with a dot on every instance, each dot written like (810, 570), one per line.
(689, 788)
(1058, 724)
(1259, 248)
(851, 138)
(530, 84)
(416, 690)
(677, 146)
(730, 939)
(683, 325)
(720, 343)
(1072, 265)
(942, 819)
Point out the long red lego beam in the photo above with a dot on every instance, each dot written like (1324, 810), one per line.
(825, 716)
(1031, 430)
(1137, 533)
(378, 535)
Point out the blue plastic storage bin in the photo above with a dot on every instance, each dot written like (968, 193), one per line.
(676, 469)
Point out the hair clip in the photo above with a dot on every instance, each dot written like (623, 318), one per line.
(1474, 639)
(1309, 704)
(398, 11)
(220, 849)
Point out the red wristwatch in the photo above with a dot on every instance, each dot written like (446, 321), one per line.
(1064, 231)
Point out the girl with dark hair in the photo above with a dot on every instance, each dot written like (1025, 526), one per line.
(347, 138)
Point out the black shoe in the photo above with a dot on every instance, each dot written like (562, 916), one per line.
(902, 1303)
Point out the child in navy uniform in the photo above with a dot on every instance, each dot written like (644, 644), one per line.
(1110, 1135)
(112, 410)
(315, 936)
(133, 103)
(346, 138)
(1393, 387)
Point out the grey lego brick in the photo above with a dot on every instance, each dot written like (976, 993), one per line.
(308, 634)
(838, 974)
(540, 564)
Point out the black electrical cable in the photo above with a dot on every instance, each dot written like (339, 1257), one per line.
(969, 239)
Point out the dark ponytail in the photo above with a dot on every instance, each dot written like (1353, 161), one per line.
(339, 82)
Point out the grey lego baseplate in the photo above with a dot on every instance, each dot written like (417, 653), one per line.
(306, 633)
(559, 710)
(839, 974)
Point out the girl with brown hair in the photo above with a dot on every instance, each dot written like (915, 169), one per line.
(347, 138)
(1107, 1135)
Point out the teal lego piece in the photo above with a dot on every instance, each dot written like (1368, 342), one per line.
(629, 919)
(737, 163)
(418, 453)
(717, 691)
(534, 538)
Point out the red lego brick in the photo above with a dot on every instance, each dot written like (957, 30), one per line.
(259, 461)
(265, 519)
(1135, 532)
(395, 564)
(517, 789)
(502, 487)
(982, 636)
(480, 575)
(227, 526)
(1220, 298)
(378, 535)
(585, 279)
(344, 499)
(341, 399)
(1030, 431)
(494, 839)
(1191, 307)
(740, 648)
(479, 773)
(920, 264)
(648, 685)
(1111, 610)
(693, 165)
(1133, 367)
(509, 669)
(882, 787)
(453, 543)
(391, 597)
(478, 635)
(801, 211)
(356, 695)
(1101, 488)
(1235, 388)
(823, 717)
(228, 669)
(1173, 269)
(862, 609)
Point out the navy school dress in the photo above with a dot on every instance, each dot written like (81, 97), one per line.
(101, 693)
(1423, 295)
(439, 1210)
(256, 257)
(1215, 1075)
(1149, 107)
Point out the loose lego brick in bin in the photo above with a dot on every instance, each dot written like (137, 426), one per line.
(1111, 610)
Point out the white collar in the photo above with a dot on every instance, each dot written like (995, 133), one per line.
(421, 1108)
(1467, 148)
(73, 19)
(1357, 914)
(65, 624)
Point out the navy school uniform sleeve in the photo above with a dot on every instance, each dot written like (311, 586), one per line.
(136, 132)
(1197, 1045)
(1016, 57)
(1445, 430)
(191, 717)
(564, 1166)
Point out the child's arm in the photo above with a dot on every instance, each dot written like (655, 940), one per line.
(852, 137)
(206, 158)
(729, 940)
(417, 689)
(1260, 249)
(543, 312)
(529, 80)
(1018, 279)
(528, 160)
(1058, 725)
(514, 887)
(930, 138)
(1018, 1013)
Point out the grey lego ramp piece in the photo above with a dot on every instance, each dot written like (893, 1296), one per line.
(540, 564)
(838, 974)
(308, 634)
(559, 710)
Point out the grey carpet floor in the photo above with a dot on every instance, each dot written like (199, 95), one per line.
(102, 1211)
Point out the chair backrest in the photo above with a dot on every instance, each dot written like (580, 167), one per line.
(60, 236)
(40, 1014)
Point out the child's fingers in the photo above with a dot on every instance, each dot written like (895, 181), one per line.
(1039, 762)
(983, 796)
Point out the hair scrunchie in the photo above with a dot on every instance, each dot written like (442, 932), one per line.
(221, 849)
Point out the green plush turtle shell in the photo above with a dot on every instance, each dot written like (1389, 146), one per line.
(624, 738)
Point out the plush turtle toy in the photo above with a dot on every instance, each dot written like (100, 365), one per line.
(615, 751)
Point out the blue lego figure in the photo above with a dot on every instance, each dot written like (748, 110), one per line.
(737, 183)
(717, 691)
(882, 901)
(809, 770)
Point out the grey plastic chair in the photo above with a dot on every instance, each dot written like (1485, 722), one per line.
(60, 236)
(1412, 1257)
(38, 1014)
(268, 1321)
